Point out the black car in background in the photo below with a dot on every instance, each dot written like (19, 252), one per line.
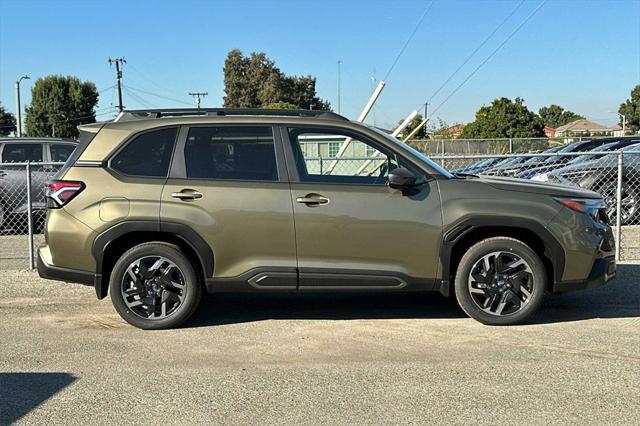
(600, 174)
(13, 177)
(557, 161)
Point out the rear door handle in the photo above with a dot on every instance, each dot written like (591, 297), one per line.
(187, 194)
(312, 200)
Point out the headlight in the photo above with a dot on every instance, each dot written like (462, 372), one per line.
(590, 206)
(542, 177)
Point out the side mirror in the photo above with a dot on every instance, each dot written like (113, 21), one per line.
(401, 179)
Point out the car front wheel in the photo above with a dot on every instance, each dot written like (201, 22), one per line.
(500, 281)
(154, 286)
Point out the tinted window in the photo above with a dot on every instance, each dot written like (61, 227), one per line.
(359, 163)
(21, 152)
(61, 152)
(148, 154)
(244, 153)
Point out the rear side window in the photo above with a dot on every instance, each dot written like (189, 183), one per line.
(148, 154)
(61, 152)
(234, 152)
(21, 152)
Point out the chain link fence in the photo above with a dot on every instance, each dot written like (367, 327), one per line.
(489, 146)
(22, 187)
(615, 175)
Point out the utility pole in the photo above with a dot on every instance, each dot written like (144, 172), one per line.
(426, 109)
(198, 97)
(339, 64)
(18, 107)
(119, 62)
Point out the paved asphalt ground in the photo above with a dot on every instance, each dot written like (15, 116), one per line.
(66, 358)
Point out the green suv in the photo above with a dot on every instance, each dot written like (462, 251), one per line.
(157, 207)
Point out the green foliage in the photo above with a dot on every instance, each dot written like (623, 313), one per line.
(7, 122)
(631, 110)
(504, 118)
(59, 104)
(555, 116)
(280, 105)
(420, 134)
(255, 81)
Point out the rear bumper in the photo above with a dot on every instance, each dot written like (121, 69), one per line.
(603, 271)
(50, 272)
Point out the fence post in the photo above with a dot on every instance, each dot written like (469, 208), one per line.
(321, 166)
(510, 146)
(619, 207)
(29, 214)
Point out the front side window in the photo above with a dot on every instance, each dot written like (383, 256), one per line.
(361, 161)
(148, 154)
(60, 152)
(21, 152)
(231, 152)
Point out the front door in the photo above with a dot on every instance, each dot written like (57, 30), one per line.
(352, 230)
(228, 184)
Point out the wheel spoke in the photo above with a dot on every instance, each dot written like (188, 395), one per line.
(501, 305)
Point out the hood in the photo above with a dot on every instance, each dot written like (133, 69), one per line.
(522, 185)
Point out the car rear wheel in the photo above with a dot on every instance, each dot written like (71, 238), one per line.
(500, 281)
(154, 286)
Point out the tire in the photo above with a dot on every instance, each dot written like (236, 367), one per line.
(166, 290)
(505, 273)
(628, 208)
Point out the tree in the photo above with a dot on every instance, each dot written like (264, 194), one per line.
(280, 105)
(7, 122)
(420, 134)
(59, 104)
(255, 81)
(504, 118)
(631, 110)
(555, 116)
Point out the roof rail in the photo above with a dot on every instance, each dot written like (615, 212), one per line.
(141, 114)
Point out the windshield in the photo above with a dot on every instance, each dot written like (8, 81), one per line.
(590, 156)
(538, 159)
(556, 158)
(437, 167)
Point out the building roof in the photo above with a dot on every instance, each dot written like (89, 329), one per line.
(581, 125)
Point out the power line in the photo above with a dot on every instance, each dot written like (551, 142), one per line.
(137, 98)
(159, 96)
(490, 55)
(480, 46)
(413, 33)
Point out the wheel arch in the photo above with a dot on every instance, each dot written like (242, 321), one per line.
(113, 242)
(463, 235)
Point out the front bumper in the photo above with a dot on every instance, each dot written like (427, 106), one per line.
(603, 271)
(50, 272)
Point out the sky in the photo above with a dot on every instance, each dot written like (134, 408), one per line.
(582, 55)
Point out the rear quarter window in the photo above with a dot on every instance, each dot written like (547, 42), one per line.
(147, 154)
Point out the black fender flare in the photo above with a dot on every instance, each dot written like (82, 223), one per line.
(553, 250)
(179, 230)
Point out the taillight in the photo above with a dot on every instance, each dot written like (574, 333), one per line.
(60, 192)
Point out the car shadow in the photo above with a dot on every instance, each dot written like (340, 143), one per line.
(618, 299)
(20, 393)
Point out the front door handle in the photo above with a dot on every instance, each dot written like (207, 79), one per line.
(312, 200)
(187, 194)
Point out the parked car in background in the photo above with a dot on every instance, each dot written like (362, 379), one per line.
(479, 166)
(558, 161)
(513, 165)
(600, 174)
(14, 152)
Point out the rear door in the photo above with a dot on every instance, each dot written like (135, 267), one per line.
(352, 230)
(229, 184)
